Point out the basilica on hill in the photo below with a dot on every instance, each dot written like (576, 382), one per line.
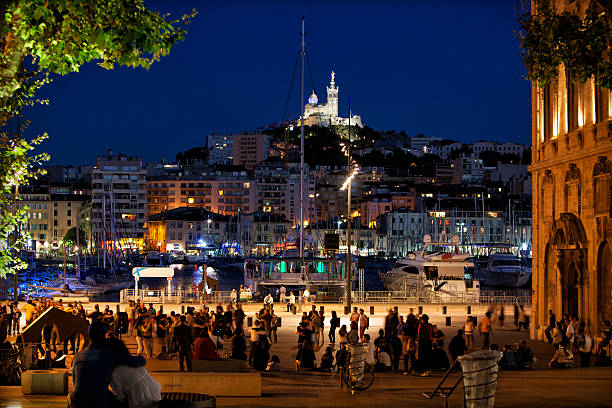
(326, 114)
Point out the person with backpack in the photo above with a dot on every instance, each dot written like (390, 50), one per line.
(424, 345)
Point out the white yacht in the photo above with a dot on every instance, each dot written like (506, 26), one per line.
(448, 276)
(502, 269)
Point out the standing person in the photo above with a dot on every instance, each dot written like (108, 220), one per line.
(552, 322)
(586, 347)
(183, 341)
(457, 346)
(334, 323)
(129, 311)
(255, 331)
(275, 324)
(151, 311)
(364, 324)
(147, 335)
(317, 328)
(139, 332)
(162, 328)
(266, 319)
(239, 316)
(283, 294)
(523, 319)
(486, 331)
(16, 317)
(468, 329)
(391, 323)
(9, 316)
(354, 316)
(305, 296)
(290, 301)
(502, 315)
(234, 297)
(425, 341)
(516, 316)
(408, 337)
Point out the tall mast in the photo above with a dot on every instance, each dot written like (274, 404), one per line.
(348, 226)
(302, 54)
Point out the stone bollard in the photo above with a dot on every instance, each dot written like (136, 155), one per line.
(371, 310)
(182, 309)
(443, 309)
(420, 310)
(469, 309)
(448, 320)
(250, 321)
(346, 310)
(396, 309)
(118, 308)
(161, 308)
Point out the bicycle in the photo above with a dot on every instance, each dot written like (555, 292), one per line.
(356, 374)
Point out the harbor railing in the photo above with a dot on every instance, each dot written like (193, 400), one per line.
(501, 297)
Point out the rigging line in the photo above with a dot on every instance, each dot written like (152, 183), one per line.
(313, 87)
(297, 59)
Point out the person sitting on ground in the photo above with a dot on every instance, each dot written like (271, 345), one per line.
(261, 353)
(509, 359)
(382, 361)
(563, 357)
(204, 347)
(341, 356)
(273, 364)
(327, 359)
(524, 356)
(457, 346)
(439, 359)
(305, 359)
(370, 352)
(133, 386)
(92, 369)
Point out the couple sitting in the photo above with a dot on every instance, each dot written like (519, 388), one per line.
(108, 360)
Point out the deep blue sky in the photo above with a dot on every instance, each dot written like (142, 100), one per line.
(444, 68)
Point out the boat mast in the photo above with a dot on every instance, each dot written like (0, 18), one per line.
(348, 228)
(302, 54)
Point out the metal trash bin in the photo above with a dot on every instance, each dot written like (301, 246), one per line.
(480, 378)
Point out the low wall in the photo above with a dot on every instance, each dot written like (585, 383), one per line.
(217, 384)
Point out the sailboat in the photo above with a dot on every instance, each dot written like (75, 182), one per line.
(317, 274)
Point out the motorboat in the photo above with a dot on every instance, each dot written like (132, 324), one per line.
(502, 269)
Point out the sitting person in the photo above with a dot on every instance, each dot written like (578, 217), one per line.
(524, 356)
(92, 369)
(603, 359)
(133, 386)
(273, 364)
(341, 356)
(563, 357)
(509, 359)
(305, 359)
(439, 359)
(327, 359)
(204, 347)
(238, 345)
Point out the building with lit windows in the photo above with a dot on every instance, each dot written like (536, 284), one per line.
(572, 196)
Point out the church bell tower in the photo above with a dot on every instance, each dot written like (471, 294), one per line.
(332, 96)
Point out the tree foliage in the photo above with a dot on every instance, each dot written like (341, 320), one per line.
(43, 38)
(17, 166)
(70, 239)
(581, 43)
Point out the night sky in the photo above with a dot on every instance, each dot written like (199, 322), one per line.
(444, 68)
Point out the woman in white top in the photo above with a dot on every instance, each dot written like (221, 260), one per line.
(133, 386)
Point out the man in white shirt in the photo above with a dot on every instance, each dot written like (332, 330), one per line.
(291, 303)
(306, 295)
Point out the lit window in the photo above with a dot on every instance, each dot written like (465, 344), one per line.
(220, 192)
(190, 200)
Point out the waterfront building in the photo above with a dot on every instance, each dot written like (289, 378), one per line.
(326, 114)
(468, 170)
(250, 149)
(63, 215)
(118, 201)
(226, 190)
(572, 201)
(266, 233)
(35, 200)
(188, 229)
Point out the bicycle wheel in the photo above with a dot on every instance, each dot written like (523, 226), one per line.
(367, 380)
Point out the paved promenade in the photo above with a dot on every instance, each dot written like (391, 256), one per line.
(540, 386)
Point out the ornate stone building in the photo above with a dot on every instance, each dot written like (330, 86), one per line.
(326, 114)
(572, 200)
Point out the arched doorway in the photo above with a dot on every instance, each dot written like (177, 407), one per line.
(569, 291)
(565, 266)
(604, 281)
